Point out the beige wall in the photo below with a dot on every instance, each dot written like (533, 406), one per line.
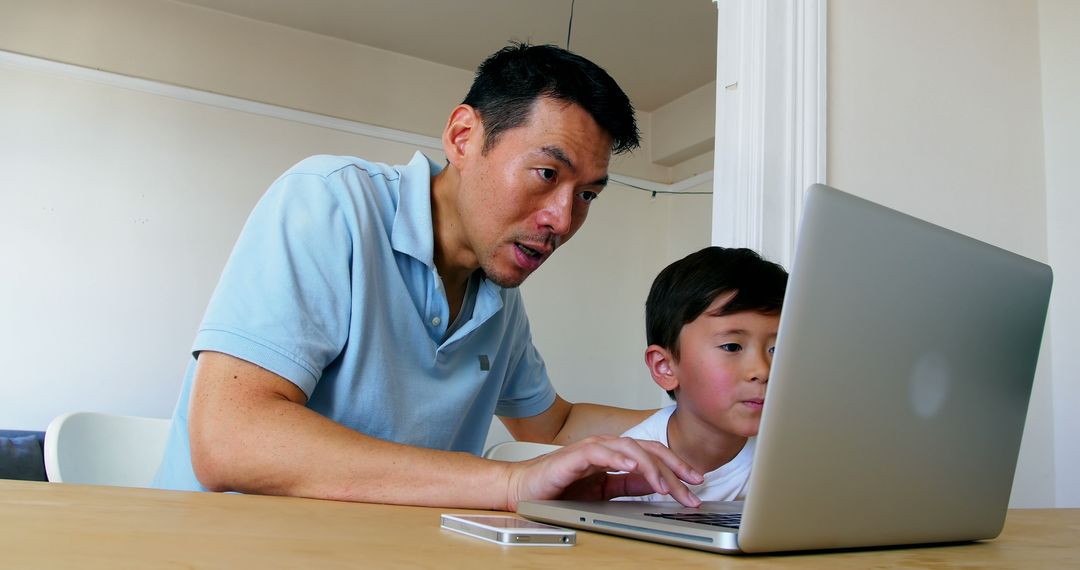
(119, 210)
(120, 207)
(684, 128)
(221, 53)
(934, 109)
(204, 49)
(1059, 22)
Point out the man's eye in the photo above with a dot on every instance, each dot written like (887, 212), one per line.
(731, 347)
(588, 196)
(546, 173)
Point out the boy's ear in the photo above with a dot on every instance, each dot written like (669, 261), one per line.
(662, 367)
(461, 128)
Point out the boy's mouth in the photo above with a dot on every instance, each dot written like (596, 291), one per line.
(756, 403)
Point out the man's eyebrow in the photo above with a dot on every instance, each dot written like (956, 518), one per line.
(560, 155)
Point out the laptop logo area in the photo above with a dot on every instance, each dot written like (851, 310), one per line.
(929, 388)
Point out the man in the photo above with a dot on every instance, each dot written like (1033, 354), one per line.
(368, 325)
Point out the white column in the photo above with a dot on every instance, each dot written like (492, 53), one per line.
(770, 120)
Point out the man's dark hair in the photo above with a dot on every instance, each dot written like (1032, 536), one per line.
(684, 289)
(509, 83)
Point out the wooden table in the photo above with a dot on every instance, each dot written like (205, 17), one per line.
(54, 525)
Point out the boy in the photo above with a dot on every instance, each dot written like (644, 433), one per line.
(711, 322)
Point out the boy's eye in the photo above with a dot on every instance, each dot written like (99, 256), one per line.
(547, 174)
(731, 347)
(772, 350)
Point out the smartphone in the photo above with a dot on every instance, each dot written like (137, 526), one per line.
(511, 531)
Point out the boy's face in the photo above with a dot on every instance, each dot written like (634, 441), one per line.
(723, 368)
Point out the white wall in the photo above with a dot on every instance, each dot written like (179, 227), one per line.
(934, 109)
(118, 208)
(204, 49)
(1059, 22)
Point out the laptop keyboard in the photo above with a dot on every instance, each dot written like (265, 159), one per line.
(729, 520)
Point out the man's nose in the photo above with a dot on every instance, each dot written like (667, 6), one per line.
(558, 212)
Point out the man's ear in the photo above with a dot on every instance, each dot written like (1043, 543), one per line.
(463, 129)
(661, 365)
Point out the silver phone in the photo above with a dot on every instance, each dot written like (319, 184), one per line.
(510, 531)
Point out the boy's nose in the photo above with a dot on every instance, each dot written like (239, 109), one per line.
(759, 370)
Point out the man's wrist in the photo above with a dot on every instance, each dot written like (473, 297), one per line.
(511, 473)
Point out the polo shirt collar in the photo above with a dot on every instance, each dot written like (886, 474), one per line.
(413, 233)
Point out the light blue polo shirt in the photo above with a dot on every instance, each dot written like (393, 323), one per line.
(332, 285)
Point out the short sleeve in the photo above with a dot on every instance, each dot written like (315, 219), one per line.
(284, 299)
(527, 390)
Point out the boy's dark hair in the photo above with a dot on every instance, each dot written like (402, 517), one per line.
(684, 289)
(508, 84)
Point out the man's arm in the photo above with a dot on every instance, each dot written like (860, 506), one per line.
(250, 432)
(564, 423)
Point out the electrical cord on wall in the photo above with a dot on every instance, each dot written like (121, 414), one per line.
(655, 192)
(570, 25)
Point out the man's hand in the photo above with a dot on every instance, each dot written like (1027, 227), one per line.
(601, 468)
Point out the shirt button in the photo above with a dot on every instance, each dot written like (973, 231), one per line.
(435, 321)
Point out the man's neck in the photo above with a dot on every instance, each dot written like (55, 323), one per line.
(446, 228)
(455, 297)
(704, 447)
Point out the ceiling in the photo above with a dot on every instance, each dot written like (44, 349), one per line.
(658, 50)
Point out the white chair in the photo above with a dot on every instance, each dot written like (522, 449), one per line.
(518, 450)
(104, 449)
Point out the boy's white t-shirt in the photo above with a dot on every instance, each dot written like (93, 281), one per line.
(726, 483)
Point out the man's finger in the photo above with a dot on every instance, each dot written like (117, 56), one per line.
(654, 464)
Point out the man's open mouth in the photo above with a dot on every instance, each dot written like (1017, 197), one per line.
(529, 251)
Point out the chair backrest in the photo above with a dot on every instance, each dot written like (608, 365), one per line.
(104, 449)
(518, 450)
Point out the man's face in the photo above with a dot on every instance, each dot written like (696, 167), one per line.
(723, 368)
(530, 192)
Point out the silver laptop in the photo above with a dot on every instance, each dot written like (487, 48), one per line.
(903, 368)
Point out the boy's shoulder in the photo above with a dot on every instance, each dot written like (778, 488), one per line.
(653, 428)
